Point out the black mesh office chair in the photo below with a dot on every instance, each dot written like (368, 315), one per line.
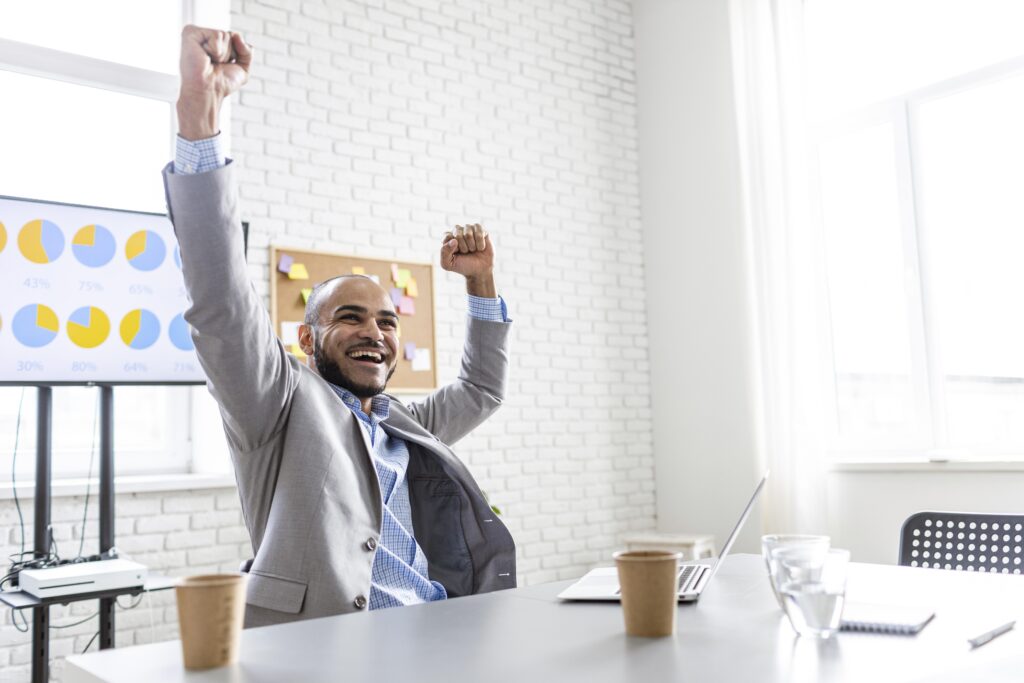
(963, 541)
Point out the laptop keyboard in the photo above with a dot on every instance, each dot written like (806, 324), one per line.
(685, 575)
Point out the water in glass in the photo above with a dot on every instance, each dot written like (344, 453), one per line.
(812, 608)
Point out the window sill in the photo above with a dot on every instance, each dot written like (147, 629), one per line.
(127, 484)
(929, 466)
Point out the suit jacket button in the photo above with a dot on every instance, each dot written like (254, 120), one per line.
(371, 543)
(359, 602)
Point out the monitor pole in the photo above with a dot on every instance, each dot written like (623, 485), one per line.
(106, 505)
(44, 459)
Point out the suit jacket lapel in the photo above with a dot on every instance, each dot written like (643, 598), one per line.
(403, 427)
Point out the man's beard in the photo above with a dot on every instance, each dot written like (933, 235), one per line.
(330, 371)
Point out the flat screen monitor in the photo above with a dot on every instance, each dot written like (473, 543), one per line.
(91, 295)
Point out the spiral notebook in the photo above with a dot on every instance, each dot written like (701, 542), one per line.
(898, 619)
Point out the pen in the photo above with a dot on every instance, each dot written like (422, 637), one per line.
(977, 641)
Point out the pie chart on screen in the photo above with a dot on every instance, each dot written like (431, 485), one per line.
(139, 329)
(93, 246)
(41, 241)
(88, 327)
(35, 325)
(180, 334)
(145, 250)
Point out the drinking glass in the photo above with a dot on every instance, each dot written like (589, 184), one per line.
(815, 546)
(813, 589)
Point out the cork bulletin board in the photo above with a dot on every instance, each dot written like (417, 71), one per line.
(294, 273)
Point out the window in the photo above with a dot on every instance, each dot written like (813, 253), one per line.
(917, 165)
(89, 119)
(151, 425)
(101, 30)
(81, 144)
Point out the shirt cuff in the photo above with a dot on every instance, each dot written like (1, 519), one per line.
(483, 308)
(198, 156)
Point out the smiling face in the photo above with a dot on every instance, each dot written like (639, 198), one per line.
(354, 340)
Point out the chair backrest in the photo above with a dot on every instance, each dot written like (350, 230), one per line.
(963, 541)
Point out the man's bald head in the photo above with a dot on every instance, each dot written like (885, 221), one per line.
(321, 293)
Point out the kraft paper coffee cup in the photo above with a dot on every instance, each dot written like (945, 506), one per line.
(210, 612)
(648, 582)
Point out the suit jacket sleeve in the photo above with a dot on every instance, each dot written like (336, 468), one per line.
(249, 372)
(453, 411)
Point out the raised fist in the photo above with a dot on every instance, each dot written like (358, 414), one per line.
(468, 251)
(214, 64)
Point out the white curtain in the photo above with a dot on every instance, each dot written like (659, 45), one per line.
(787, 261)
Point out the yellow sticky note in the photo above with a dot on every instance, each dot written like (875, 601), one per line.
(358, 270)
(410, 287)
(305, 295)
(404, 276)
(298, 272)
(297, 351)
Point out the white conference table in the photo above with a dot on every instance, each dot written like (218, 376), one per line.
(736, 632)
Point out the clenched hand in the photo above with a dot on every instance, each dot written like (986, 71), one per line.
(214, 64)
(469, 251)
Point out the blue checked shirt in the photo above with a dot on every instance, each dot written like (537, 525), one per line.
(399, 575)
(198, 156)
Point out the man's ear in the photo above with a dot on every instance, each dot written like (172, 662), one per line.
(306, 339)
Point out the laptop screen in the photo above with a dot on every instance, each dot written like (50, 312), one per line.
(739, 525)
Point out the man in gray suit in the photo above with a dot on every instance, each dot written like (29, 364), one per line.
(353, 500)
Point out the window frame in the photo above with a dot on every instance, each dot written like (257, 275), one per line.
(931, 443)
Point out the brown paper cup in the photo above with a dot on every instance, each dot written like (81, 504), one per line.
(648, 581)
(210, 612)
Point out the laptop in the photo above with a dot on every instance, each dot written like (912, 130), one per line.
(603, 583)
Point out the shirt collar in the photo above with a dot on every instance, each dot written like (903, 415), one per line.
(380, 405)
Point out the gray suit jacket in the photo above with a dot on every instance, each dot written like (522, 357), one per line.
(308, 487)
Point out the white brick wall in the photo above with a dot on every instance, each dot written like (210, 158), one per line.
(371, 127)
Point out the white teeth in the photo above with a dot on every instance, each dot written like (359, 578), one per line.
(371, 355)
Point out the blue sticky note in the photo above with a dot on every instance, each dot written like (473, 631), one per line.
(396, 296)
(284, 264)
(410, 350)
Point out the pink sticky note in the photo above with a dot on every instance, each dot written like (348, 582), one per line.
(396, 296)
(410, 350)
(394, 272)
(407, 306)
(284, 264)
